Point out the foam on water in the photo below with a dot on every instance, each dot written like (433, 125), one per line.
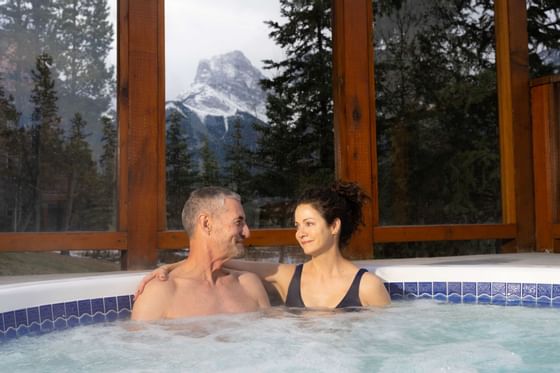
(418, 336)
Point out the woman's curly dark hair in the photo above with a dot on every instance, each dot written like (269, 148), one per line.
(343, 200)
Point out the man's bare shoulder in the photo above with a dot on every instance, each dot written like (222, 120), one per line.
(152, 303)
(158, 286)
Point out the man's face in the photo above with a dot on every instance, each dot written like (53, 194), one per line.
(231, 228)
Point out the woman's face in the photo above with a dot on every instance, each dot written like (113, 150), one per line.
(313, 233)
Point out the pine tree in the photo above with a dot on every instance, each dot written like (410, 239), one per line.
(181, 176)
(27, 31)
(83, 43)
(11, 163)
(81, 176)
(296, 147)
(108, 159)
(238, 164)
(108, 166)
(210, 174)
(99, 76)
(46, 135)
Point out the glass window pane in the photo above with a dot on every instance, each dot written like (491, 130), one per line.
(437, 125)
(437, 248)
(543, 27)
(248, 102)
(57, 115)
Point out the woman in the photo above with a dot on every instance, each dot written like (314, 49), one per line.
(325, 220)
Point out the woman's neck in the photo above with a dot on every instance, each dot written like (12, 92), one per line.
(328, 263)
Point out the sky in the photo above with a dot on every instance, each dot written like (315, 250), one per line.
(197, 29)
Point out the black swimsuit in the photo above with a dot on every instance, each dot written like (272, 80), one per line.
(351, 299)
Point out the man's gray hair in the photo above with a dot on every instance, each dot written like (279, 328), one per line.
(209, 199)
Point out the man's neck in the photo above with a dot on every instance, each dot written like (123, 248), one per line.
(200, 265)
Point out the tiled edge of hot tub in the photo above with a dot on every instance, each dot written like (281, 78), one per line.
(37, 307)
(57, 316)
(509, 286)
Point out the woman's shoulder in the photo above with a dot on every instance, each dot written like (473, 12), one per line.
(373, 291)
(371, 279)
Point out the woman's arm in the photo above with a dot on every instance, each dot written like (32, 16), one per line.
(265, 270)
(279, 275)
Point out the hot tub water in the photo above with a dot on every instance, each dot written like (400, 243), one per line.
(408, 336)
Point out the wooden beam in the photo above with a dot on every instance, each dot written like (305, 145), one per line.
(122, 112)
(259, 237)
(512, 60)
(161, 140)
(354, 110)
(382, 234)
(54, 241)
(545, 103)
(144, 130)
(450, 232)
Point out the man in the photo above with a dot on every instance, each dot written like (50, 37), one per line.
(215, 222)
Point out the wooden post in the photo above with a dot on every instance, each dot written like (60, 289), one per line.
(545, 106)
(512, 61)
(141, 128)
(354, 110)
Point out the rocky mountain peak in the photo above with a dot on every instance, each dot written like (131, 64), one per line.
(226, 84)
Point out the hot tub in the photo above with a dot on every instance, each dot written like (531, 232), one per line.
(482, 313)
(35, 304)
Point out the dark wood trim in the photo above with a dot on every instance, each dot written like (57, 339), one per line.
(259, 237)
(143, 148)
(162, 178)
(545, 103)
(382, 234)
(549, 79)
(450, 232)
(122, 113)
(354, 108)
(54, 241)
(512, 59)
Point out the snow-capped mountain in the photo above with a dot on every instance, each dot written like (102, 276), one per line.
(224, 85)
(225, 91)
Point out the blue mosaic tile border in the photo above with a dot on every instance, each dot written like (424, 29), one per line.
(58, 316)
(502, 293)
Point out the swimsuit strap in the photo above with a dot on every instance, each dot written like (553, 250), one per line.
(293, 298)
(352, 297)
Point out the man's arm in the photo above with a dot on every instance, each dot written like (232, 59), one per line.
(254, 287)
(153, 302)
